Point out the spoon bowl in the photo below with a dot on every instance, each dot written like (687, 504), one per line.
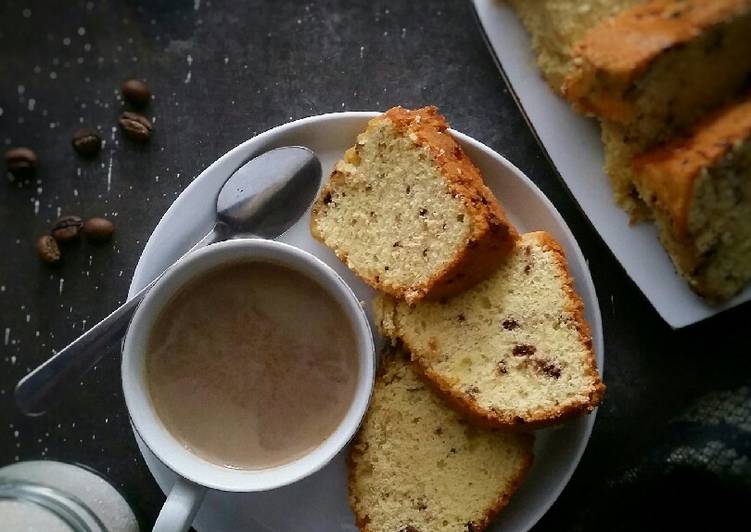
(265, 198)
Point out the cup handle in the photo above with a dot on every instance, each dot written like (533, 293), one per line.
(181, 506)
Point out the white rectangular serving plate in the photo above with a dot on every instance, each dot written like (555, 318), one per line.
(573, 145)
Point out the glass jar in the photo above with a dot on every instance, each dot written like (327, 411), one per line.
(50, 496)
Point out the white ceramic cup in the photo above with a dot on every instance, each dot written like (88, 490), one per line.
(195, 473)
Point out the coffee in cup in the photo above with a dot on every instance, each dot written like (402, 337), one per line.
(251, 365)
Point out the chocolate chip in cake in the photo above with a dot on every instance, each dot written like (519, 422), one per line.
(461, 317)
(501, 367)
(548, 368)
(510, 324)
(423, 212)
(523, 350)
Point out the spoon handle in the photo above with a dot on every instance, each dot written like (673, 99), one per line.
(34, 392)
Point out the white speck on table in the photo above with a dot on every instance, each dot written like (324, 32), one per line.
(109, 173)
(189, 59)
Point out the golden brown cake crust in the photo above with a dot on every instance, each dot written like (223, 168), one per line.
(665, 176)
(493, 235)
(466, 404)
(621, 48)
(361, 521)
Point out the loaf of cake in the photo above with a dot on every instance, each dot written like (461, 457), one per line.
(662, 61)
(408, 212)
(556, 26)
(699, 190)
(647, 69)
(655, 69)
(418, 466)
(513, 351)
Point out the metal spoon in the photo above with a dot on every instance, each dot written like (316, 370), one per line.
(263, 198)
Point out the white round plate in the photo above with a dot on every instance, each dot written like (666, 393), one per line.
(319, 503)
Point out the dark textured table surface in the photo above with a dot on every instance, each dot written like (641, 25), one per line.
(671, 444)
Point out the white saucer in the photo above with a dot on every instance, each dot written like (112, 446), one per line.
(319, 503)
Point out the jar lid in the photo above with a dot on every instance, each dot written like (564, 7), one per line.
(30, 506)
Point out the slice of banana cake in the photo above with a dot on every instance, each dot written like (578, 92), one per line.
(515, 350)
(418, 466)
(409, 213)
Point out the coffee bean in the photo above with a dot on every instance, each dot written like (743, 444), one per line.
(47, 249)
(136, 92)
(87, 142)
(21, 162)
(136, 127)
(98, 229)
(66, 228)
